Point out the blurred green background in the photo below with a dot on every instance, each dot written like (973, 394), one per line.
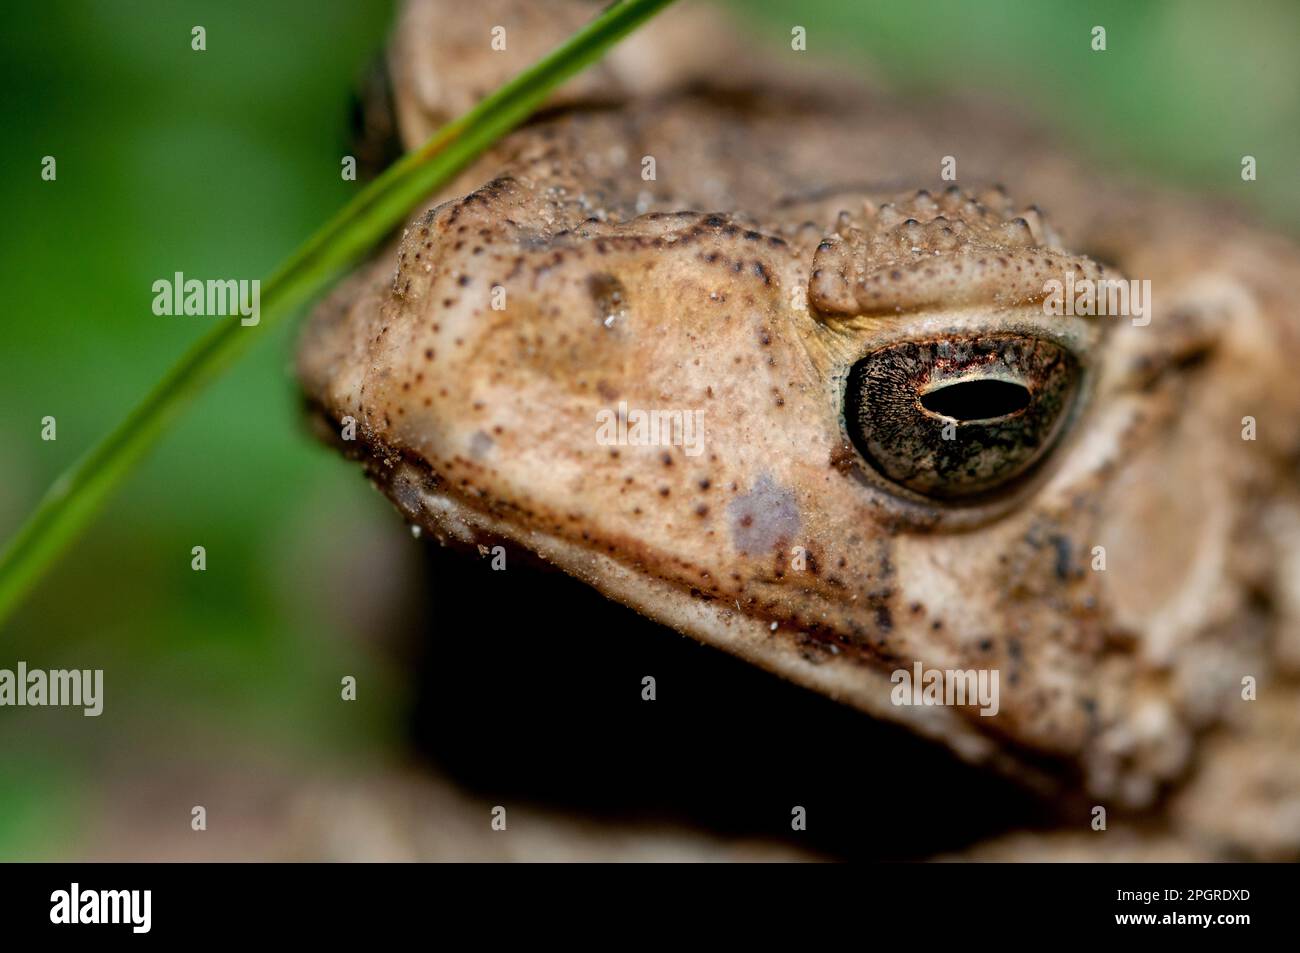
(218, 164)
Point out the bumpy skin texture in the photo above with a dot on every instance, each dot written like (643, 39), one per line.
(792, 229)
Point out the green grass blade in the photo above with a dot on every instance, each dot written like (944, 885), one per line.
(79, 492)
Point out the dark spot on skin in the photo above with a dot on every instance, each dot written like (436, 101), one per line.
(842, 459)
(480, 444)
(1062, 546)
(764, 519)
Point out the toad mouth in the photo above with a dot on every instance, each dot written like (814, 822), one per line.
(434, 505)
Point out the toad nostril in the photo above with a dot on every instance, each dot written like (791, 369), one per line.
(982, 399)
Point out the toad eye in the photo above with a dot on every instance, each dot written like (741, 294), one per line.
(956, 418)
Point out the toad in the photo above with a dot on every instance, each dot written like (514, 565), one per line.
(911, 453)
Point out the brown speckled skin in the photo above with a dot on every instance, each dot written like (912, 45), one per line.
(790, 230)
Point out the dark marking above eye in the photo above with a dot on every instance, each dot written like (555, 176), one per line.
(607, 294)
